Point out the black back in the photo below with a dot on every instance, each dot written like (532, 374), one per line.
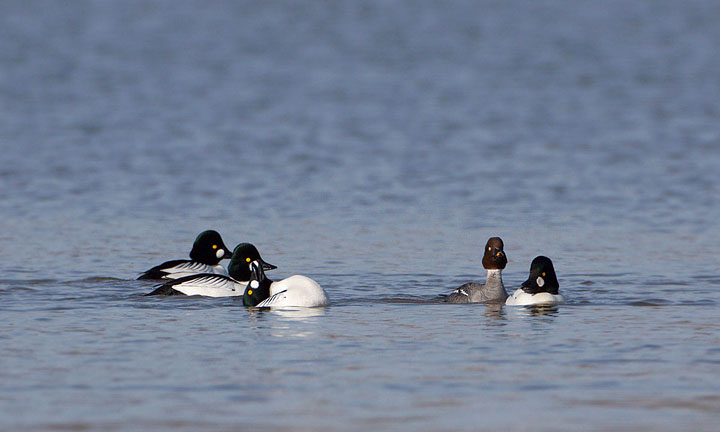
(158, 272)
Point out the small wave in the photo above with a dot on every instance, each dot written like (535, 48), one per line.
(28, 281)
(387, 300)
(596, 275)
(15, 289)
(649, 302)
(711, 279)
(705, 403)
(96, 279)
(666, 283)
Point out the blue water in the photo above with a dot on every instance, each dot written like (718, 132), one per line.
(373, 146)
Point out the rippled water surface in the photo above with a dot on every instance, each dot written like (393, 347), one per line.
(373, 146)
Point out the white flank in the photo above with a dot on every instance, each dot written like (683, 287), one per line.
(212, 286)
(521, 298)
(295, 291)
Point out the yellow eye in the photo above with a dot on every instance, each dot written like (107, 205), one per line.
(214, 246)
(249, 292)
(543, 274)
(247, 259)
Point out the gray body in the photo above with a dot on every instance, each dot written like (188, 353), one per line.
(493, 291)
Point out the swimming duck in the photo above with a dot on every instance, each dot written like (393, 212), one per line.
(290, 292)
(541, 288)
(493, 291)
(206, 253)
(213, 285)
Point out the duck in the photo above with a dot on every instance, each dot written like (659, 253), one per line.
(215, 285)
(294, 291)
(493, 291)
(205, 256)
(541, 287)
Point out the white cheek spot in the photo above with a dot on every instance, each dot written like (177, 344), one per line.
(220, 253)
(254, 284)
(540, 281)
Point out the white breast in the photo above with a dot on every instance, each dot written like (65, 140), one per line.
(521, 298)
(295, 291)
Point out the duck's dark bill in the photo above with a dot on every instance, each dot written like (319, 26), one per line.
(267, 266)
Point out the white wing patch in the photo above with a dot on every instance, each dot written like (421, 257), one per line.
(192, 266)
(273, 300)
(461, 291)
(205, 281)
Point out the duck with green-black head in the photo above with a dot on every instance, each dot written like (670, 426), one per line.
(205, 256)
(541, 287)
(212, 285)
(294, 291)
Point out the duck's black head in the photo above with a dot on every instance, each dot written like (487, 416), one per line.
(494, 257)
(243, 255)
(209, 248)
(258, 287)
(542, 277)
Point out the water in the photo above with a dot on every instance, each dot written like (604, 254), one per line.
(373, 146)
